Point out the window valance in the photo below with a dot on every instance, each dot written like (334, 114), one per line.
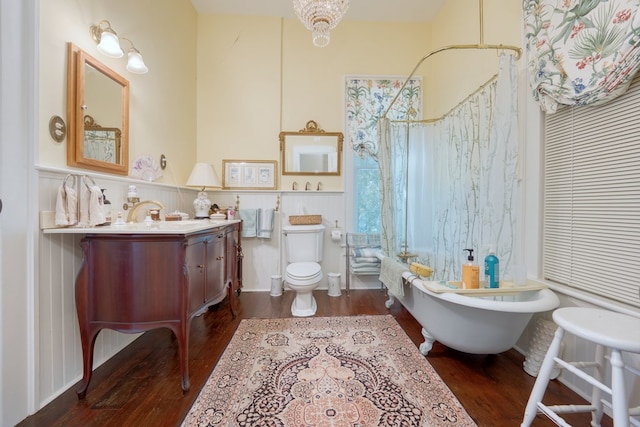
(581, 52)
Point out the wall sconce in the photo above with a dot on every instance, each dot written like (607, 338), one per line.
(109, 45)
(203, 175)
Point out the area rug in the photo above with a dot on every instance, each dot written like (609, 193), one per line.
(324, 372)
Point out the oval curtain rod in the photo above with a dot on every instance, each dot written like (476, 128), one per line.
(479, 46)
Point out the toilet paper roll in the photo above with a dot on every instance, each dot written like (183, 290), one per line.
(336, 235)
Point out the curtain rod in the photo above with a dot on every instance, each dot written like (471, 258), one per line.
(445, 48)
(475, 92)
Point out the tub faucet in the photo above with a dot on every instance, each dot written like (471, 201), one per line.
(133, 213)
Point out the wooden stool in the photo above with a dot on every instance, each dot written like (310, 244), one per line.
(615, 331)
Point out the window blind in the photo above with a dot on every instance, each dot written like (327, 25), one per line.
(591, 231)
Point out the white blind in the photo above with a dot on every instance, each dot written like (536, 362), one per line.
(592, 198)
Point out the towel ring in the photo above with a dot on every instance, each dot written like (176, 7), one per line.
(86, 178)
(66, 178)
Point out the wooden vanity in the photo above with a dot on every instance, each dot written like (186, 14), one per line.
(134, 278)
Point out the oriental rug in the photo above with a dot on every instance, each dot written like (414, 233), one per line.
(357, 371)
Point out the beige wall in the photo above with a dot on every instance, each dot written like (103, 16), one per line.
(223, 87)
(453, 75)
(162, 102)
(258, 76)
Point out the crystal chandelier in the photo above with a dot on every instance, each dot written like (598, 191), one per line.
(320, 16)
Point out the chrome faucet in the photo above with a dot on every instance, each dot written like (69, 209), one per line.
(132, 215)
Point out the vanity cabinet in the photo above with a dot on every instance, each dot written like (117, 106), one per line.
(134, 282)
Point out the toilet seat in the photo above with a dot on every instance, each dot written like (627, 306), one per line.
(303, 273)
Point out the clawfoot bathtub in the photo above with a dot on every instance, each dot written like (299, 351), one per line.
(477, 325)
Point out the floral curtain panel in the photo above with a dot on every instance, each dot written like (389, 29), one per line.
(581, 51)
(367, 99)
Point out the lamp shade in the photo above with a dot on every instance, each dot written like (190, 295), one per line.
(203, 175)
(135, 64)
(109, 44)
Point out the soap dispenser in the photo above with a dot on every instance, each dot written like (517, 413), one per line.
(470, 272)
(492, 269)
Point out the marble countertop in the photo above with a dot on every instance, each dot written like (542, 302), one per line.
(157, 227)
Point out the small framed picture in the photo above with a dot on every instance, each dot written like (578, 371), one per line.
(249, 174)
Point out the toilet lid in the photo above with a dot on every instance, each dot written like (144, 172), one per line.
(303, 270)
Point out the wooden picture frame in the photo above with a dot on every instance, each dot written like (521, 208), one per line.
(249, 174)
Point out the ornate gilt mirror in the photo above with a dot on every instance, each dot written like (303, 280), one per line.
(311, 151)
(97, 115)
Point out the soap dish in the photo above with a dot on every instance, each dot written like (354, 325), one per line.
(218, 216)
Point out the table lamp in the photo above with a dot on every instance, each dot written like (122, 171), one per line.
(203, 175)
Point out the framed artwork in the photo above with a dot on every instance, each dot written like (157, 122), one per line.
(249, 174)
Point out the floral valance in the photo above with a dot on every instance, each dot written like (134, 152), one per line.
(581, 51)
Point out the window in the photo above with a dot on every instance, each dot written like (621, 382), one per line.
(367, 98)
(591, 220)
(366, 200)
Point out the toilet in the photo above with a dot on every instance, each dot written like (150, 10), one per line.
(303, 247)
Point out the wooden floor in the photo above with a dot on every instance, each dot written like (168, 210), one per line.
(140, 386)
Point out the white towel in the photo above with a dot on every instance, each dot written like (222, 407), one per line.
(91, 211)
(66, 206)
(265, 223)
(391, 275)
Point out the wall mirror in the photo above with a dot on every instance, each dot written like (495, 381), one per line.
(311, 151)
(97, 114)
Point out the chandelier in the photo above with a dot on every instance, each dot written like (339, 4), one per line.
(320, 16)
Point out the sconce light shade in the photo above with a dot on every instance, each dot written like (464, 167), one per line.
(203, 176)
(135, 63)
(109, 45)
(107, 39)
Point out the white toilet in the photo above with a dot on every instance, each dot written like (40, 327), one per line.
(303, 246)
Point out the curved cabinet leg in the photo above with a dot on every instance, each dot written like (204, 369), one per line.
(427, 345)
(88, 340)
(182, 335)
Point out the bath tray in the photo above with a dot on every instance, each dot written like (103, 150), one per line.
(506, 287)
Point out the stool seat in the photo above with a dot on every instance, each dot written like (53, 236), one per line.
(609, 331)
(604, 327)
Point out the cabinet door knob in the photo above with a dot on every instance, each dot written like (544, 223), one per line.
(219, 258)
(200, 266)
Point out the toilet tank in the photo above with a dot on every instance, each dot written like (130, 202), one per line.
(303, 243)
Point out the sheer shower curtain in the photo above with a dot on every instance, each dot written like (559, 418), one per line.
(462, 175)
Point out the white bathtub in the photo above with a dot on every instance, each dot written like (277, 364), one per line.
(477, 325)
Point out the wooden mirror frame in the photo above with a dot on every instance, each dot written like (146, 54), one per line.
(77, 59)
(313, 134)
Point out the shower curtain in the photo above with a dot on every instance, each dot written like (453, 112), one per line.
(462, 173)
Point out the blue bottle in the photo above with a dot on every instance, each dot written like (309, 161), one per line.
(492, 270)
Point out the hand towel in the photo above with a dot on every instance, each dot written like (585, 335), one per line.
(391, 275)
(249, 222)
(265, 223)
(66, 206)
(91, 211)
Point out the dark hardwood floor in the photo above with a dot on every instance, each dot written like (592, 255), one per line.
(140, 386)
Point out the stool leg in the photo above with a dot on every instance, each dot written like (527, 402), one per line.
(618, 393)
(540, 386)
(596, 394)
